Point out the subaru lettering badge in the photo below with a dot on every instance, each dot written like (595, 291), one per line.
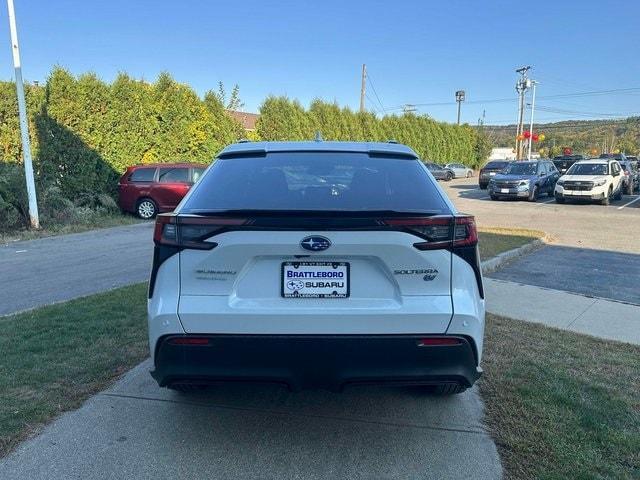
(315, 243)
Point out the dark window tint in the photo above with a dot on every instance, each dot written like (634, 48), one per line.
(496, 165)
(316, 182)
(173, 175)
(197, 173)
(143, 175)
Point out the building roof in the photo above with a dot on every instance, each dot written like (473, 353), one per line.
(246, 119)
(318, 146)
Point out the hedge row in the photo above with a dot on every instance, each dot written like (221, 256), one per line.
(285, 119)
(85, 132)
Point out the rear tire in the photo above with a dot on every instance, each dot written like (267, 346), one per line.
(446, 389)
(146, 209)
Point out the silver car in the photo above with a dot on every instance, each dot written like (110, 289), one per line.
(459, 170)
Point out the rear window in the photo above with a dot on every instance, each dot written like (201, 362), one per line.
(312, 181)
(496, 164)
(143, 175)
(174, 175)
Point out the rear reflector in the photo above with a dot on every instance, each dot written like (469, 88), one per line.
(438, 341)
(189, 341)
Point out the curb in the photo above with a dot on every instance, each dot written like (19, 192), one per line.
(503, 258)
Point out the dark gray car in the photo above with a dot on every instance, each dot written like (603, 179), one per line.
(439, 172)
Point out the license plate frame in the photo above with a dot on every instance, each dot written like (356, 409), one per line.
(504, 190)
(285, 292)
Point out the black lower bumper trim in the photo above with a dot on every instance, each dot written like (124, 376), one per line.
(306, 361)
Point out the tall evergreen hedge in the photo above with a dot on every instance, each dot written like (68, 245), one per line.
(85, 132)
(285, 119)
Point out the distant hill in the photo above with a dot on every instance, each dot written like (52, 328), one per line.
(583, 136)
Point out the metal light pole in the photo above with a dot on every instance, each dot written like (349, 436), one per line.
(533, 106)
(24, 125)
(459, 98)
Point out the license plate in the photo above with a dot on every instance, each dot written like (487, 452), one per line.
(315, 279)
(492, 173)
(504, 190)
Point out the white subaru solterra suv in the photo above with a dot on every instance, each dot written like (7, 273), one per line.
(316, 264)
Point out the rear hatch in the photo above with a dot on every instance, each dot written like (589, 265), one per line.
(367, 249)
(265, 282)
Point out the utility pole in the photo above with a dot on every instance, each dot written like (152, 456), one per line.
(533, 106)
(363, 87)
(24, 125)
(459, 98)
(521, 87)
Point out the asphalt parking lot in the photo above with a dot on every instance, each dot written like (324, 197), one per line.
(595, 249)
(614, 227)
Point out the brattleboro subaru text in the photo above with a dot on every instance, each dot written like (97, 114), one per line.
(316, 264)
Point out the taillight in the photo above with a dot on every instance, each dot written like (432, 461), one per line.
(440, 232)
(191, 232)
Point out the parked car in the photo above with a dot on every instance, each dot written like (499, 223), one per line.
(527, 179)
(459, 170)
(489, 170)
(564, 162)
(439, 172)
(147, 190)
(596, 179)
(316, 264)
(631, 174)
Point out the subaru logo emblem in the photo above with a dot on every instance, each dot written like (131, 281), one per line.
(315, 243)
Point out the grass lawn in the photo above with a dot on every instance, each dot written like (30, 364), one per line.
(559, 404)
(97, 221)
(54, 357)
(493, 241)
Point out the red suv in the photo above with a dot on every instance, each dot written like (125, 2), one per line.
(147, 190)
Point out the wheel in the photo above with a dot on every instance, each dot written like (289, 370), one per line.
(533, 196)
(449, 176)
(559, 199)
(607, 199)
(146, 209)
(469, 174)
(482, 187)
(446, 389)
(493, 197)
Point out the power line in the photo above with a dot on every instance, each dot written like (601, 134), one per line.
(545, 97)
(374, 91)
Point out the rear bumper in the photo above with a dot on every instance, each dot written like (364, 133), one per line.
(325, 361)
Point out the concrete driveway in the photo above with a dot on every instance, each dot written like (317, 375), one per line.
(54, 269)
(136, 430)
